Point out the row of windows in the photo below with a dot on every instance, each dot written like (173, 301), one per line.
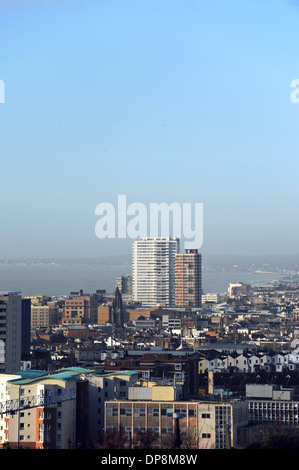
(141, 412)
(165, 431)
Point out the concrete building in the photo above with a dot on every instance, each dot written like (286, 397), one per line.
(103, 386)
(171, 323)
(10, 332)
(188, 279)
(210, 298)
(202, 425)
(153, 270)
(26, 327)
(124, 284)
(270, 404)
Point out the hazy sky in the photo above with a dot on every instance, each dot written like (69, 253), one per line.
(159, 100)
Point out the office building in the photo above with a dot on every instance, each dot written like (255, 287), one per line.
(206, 425)
(153, 270)
(188, 282)
(80, 309)
(124, 284)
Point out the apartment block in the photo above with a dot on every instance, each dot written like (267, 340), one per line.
(188, 279)
(58, 410)
(40, 316)
(103, 386)
(40, 410)
(153, 270)
(10, 332)
(26, 326)
(202, 425)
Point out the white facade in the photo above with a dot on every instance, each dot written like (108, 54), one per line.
(10, 332)
(4, 395)
(153, 270)
(210, 297)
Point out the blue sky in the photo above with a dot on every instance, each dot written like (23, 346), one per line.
(160, 100)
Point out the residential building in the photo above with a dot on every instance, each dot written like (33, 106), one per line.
(155, 364)
(104, 386)
(188, 281)
(40, 316)
(10, 332)
(153, 270)
(26, 326)
(44, 410)
(58, 410)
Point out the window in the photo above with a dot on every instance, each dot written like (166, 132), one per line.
(168, 412)
(206, 436)
(126, 411)
(139, 412)
(182, 411)
(206, 415)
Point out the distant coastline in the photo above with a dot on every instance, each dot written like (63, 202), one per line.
(57, 277)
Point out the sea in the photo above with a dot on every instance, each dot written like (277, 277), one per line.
(60, 277)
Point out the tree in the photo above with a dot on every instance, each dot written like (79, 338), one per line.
(114, 440)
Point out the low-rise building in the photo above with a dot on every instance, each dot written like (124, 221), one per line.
(202, 425)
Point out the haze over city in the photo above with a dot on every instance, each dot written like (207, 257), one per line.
(162, 101)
